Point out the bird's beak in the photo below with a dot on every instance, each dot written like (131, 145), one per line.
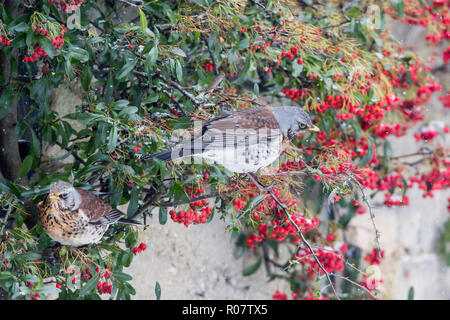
(314, 128)
(53, 196)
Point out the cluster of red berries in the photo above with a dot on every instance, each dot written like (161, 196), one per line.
(34, 297)
(38, 52)
(436, 179)
(445, 100)
(279, 296)
(208, 66)
(428, 133)
(373, 257)
(274, 223)
(446, 55)
(370, 283)
(142, 246)
(66, 4)
(138, 147)
(196, 191)
(104, 287)
(394, 200)
(435, 16)
(38, 29)
(57, 42)
(292, 53)
(5, 40)
(297, 94)
(383, 130)
(199, 212)
(330, 257)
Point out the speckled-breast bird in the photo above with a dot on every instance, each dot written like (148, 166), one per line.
(244, 141)
(76, 217)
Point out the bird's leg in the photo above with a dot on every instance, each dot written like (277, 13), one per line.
(260, 186)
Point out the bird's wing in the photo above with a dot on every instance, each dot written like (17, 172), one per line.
(97, 210)
(248, 126)
(251, 118)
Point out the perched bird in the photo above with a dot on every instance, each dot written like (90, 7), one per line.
(76, 217)
(243, 141)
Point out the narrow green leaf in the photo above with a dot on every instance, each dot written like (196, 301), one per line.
(143, 20)
(112, 139)
(26, 166)
(411, 293)
(133, 204)
(122, 276)
(158, 291)
(252, 269)
(162, 215)
(90, 285)
(178, 193)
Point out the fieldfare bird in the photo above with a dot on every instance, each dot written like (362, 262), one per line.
(244, 141)
(76, 217)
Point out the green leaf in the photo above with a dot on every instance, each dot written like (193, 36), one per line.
(399, 7)
(122, 276)
(353, 12)
(126, 69)
(179, 70)
(26, 166)
(78, 53)
(35, 145)
(86, 77)
(133, 204)
(90, 285)
(162, 215)
(178, 52)
(143, 20)
(151, 58)
(28, 256)
(158, 291)
(112, 139)
(47, 46)
(179, 194)
(252, 269)
(296, 68)
(244, 44)
(411, 293)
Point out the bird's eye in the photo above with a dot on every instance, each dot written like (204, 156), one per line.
(302, 126)
(63, 196)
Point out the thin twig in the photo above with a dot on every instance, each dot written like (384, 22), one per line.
(354, 283)
(5, 221)
(305, 242)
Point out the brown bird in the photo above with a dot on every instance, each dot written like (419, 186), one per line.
(76, 217)
(244, 141)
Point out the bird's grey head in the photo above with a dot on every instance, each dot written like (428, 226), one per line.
(293, 120)
(65, 195)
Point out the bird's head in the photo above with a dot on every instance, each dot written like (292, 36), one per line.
(64, 195)
(293, 121)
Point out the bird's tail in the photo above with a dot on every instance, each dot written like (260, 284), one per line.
(163, 155)
(168, 155)
(130, 222)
